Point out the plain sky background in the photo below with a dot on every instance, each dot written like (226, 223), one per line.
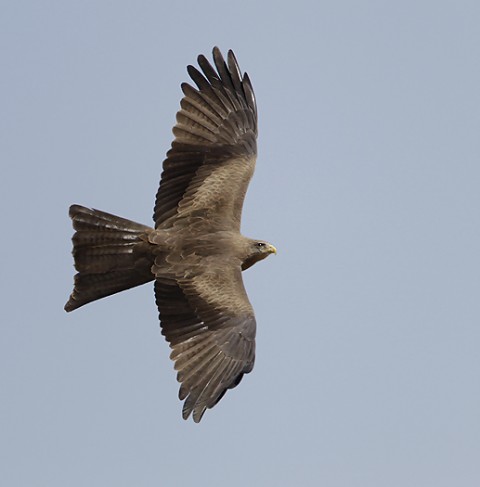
(368, 182)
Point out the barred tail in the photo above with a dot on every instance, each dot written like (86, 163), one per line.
(111, 254)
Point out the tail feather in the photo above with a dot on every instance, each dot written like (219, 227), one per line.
(111, 254)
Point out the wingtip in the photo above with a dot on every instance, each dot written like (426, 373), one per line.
(231, 55)
(198, 414)
(186, 412)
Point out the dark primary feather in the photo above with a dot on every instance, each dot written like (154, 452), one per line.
(216, 126)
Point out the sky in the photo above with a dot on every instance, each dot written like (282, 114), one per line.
(367, 182)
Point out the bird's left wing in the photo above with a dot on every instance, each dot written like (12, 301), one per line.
(211, 327)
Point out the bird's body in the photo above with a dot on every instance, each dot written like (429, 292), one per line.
(195, 253)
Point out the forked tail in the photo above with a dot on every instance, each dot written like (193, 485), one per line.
(111, 254)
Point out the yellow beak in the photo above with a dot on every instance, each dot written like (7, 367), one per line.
(272, 249)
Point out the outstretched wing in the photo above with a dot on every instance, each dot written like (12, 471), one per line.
(210, 326)
(212, 159)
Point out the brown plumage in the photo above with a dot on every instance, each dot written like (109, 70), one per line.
(195, 254)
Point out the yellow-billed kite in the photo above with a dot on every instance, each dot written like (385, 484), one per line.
(195, 254)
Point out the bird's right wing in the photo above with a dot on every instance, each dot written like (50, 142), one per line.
(212, 159)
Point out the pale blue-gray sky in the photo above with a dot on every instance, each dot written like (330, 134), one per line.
(368, 178)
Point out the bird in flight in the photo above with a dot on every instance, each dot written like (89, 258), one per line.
(195, 254)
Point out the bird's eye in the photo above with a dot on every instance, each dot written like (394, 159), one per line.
(260, 244)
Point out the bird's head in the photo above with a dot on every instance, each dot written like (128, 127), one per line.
(257, 250)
